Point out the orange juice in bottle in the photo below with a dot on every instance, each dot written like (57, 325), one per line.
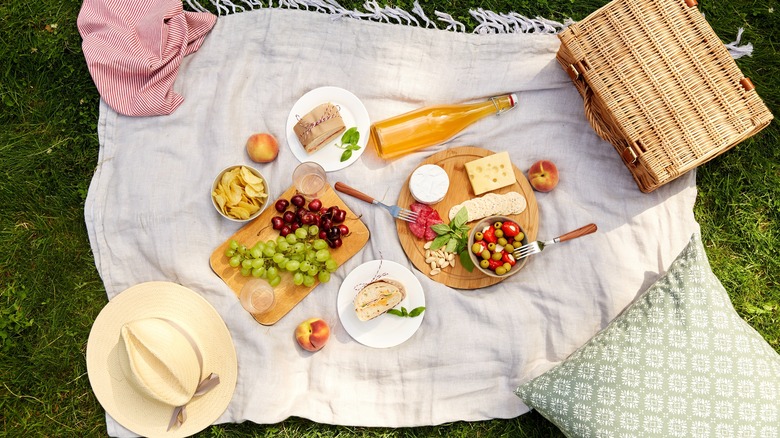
(432, 125)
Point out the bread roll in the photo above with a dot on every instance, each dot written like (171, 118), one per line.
(378, 297)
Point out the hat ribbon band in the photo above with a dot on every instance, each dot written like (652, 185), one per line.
(179, 415)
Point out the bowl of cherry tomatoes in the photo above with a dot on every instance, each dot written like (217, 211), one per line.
(492, 242)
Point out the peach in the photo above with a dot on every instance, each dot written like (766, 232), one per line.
(262, 147)
(312, 334)
(543, 176)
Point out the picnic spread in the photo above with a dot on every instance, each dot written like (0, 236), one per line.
(437, 342)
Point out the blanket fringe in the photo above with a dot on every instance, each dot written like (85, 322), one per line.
(489, 22)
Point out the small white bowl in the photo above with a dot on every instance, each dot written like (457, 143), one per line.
(489, 221)
(256, 173)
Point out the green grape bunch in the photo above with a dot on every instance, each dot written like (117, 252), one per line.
(302, 253)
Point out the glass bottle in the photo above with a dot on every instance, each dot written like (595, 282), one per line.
(432, 125)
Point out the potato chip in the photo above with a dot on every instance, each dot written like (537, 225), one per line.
(240, 193)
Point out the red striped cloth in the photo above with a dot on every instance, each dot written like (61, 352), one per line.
(134, 49)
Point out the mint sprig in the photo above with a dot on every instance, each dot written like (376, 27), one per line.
(349, 143)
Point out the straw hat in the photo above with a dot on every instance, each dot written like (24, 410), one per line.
(161, 360)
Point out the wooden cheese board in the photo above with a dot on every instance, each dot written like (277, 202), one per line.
(452, 161)
(287, 294)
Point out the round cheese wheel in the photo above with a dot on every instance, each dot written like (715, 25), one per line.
(429, 184)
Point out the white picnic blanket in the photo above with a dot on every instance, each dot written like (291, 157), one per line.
(150, 217)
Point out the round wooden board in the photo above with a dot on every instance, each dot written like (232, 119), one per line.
(452, 161)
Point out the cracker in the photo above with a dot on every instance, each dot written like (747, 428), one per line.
(491, 204)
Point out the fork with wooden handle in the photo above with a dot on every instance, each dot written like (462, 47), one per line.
(539, 245)
(395, 211)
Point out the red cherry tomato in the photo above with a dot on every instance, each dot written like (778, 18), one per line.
(493, 264)
(489, 235)
(508, 258)
(510, 229)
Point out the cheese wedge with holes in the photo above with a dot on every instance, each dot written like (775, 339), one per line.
(490, 173)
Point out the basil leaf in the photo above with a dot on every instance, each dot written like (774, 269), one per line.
(353, 147)
(346, 155)
(440, 241)
(451, 245)
(395, 312)
(465, 260)
(416, 311)
(351, 136)
(460, 219)
(440, 229)
(462, 244)
(404, 311)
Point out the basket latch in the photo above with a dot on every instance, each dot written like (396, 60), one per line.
(632, 152)
(576, 69)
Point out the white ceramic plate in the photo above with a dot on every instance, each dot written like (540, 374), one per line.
(352, 111)
(385, 330)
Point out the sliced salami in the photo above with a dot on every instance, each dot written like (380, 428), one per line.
(426, 216)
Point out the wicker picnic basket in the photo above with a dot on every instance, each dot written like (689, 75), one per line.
(659, 84)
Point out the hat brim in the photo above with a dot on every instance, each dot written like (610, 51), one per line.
(160, 299)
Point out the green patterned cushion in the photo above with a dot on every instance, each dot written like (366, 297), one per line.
(678, 362)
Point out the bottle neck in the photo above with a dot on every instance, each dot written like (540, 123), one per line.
(495, 105)
(504, 103)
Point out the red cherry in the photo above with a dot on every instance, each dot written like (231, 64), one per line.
(281, 205)
(334, 233)
(289, 217)
(315, 205)
(308, 219)
(323, 235)
(339, 216)
(344, 229)
(285, 231)
(277, 222)
(298, 201)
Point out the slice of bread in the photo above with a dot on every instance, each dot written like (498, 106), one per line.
(378, 297)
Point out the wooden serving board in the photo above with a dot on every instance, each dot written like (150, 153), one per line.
(287, 294)
(452, 161)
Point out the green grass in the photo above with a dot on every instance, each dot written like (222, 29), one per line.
(50, 292)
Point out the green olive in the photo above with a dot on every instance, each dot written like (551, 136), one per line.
(519, 237)
(507, 266)
(509, 248)
(502, 241)
(476, 248)
(498, 225)
(491, 246)
(485, 254)
(517, 244)
(484, 264)
(499, 233)
(500, 270)
(496, 256)
(478, 236)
